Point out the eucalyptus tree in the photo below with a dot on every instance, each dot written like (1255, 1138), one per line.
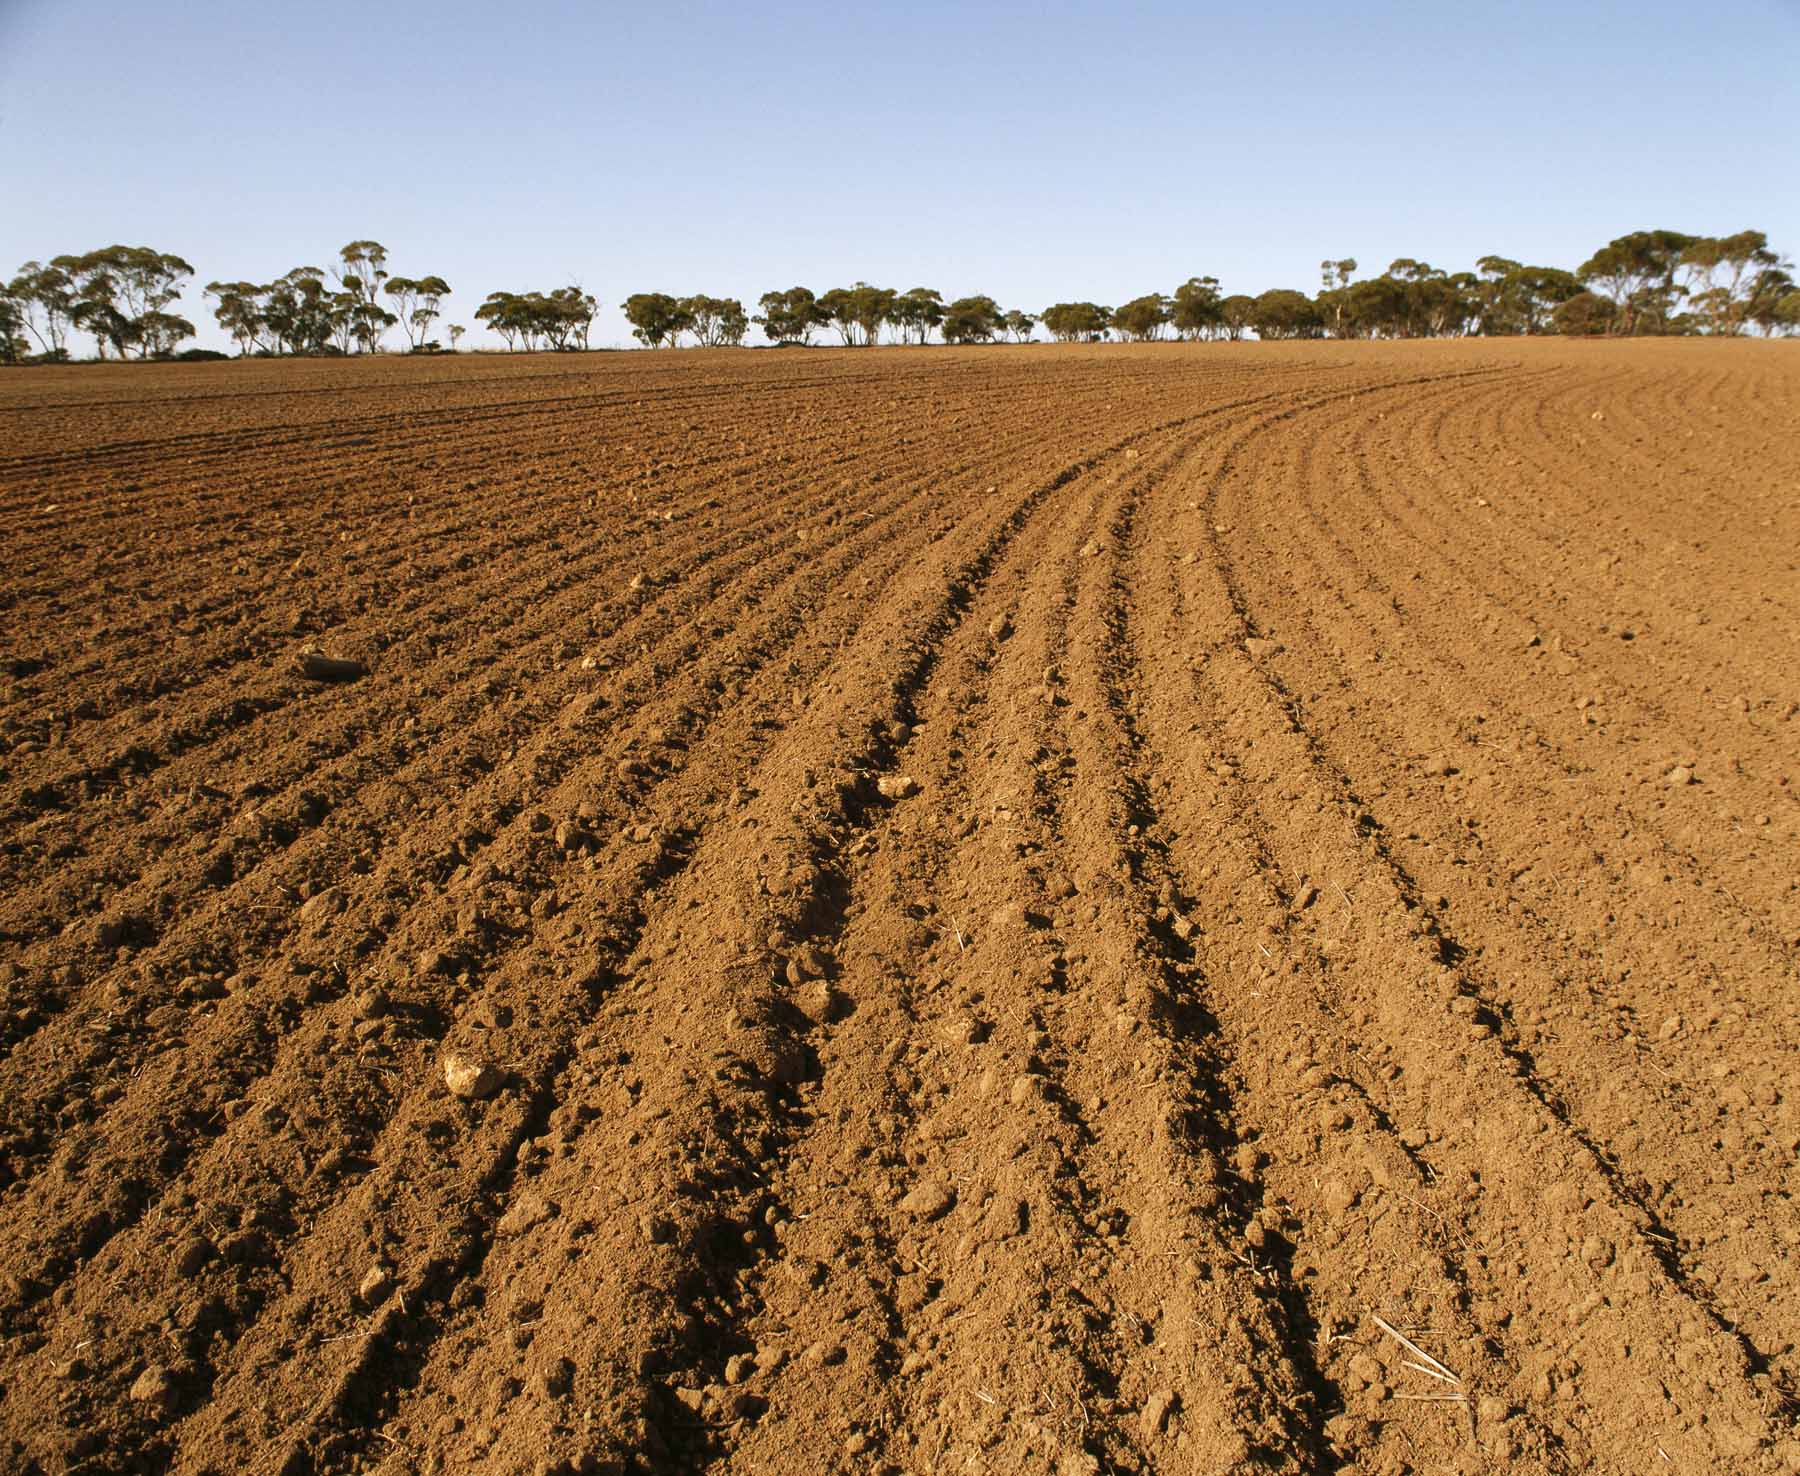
(790, 316)
(14, 345)
(1282, 312)
(1587, 314)
(1076, 322)
(1194, 308)
(297, 310)
(502, 313)
(575, 310)
(1375, 307)
(1019, 325)
(238, 307)
(1235, 313)
(45, 299)
(1334, 294)
(417, 304)
(734, 324)
(1725, 275)
(1637, 274)
(972, 320)
(915, 313)
(557, 320)
(715, 321)
(1143, 318)
(1513, 298)
(120, 295)
(1783, 313)
(656, 318)
(358, 315)
(362, 268)
(858, 311)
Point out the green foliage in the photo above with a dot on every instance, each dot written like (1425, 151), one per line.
(1195, 308)
(417, 302)
(358, 316)
(14, 345)
(1586, 314)
(857, 312)
(1019, 325)
(715, 321)
(1143, 318)
(655, 317)
(1637, 272)
(1652, 281)
(915, 313)
(791, 316)
(973, 320)
(1511, 299)
(1729, 276)
(1077, 322)
(45, 299)
(1235, 313)
(119, 294)
(560, 319)
(1282, 312)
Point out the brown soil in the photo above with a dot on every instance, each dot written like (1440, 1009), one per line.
(986, 912)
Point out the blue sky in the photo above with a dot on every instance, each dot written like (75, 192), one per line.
(1035, 152)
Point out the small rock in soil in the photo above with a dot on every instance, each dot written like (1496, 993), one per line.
(897, 786)
(371, 1004)
(154, 1387)
(1260, 648)
(470, 1079)
(1000, 627)
(377, 1282)
(571, 837)
(316, 666)
(1156, 1412)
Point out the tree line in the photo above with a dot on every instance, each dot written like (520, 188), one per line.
(1647, 282)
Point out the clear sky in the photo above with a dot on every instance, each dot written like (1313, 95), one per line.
(1035, 152)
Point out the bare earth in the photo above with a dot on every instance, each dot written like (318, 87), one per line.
(1000, 911)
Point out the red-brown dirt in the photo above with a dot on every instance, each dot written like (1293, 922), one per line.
(1185, 909)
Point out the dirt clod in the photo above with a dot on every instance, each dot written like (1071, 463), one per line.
(928, 1200)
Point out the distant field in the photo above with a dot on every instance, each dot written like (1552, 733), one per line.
(903, 911)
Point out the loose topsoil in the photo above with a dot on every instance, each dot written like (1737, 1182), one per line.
(1207, 909)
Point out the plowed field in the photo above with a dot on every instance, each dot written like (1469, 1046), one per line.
(1185, 909)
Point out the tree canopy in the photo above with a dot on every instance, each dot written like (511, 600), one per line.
(124, 299)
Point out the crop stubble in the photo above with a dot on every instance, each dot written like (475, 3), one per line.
(1350, 877)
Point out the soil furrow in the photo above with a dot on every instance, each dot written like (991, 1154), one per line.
(1074, 908)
